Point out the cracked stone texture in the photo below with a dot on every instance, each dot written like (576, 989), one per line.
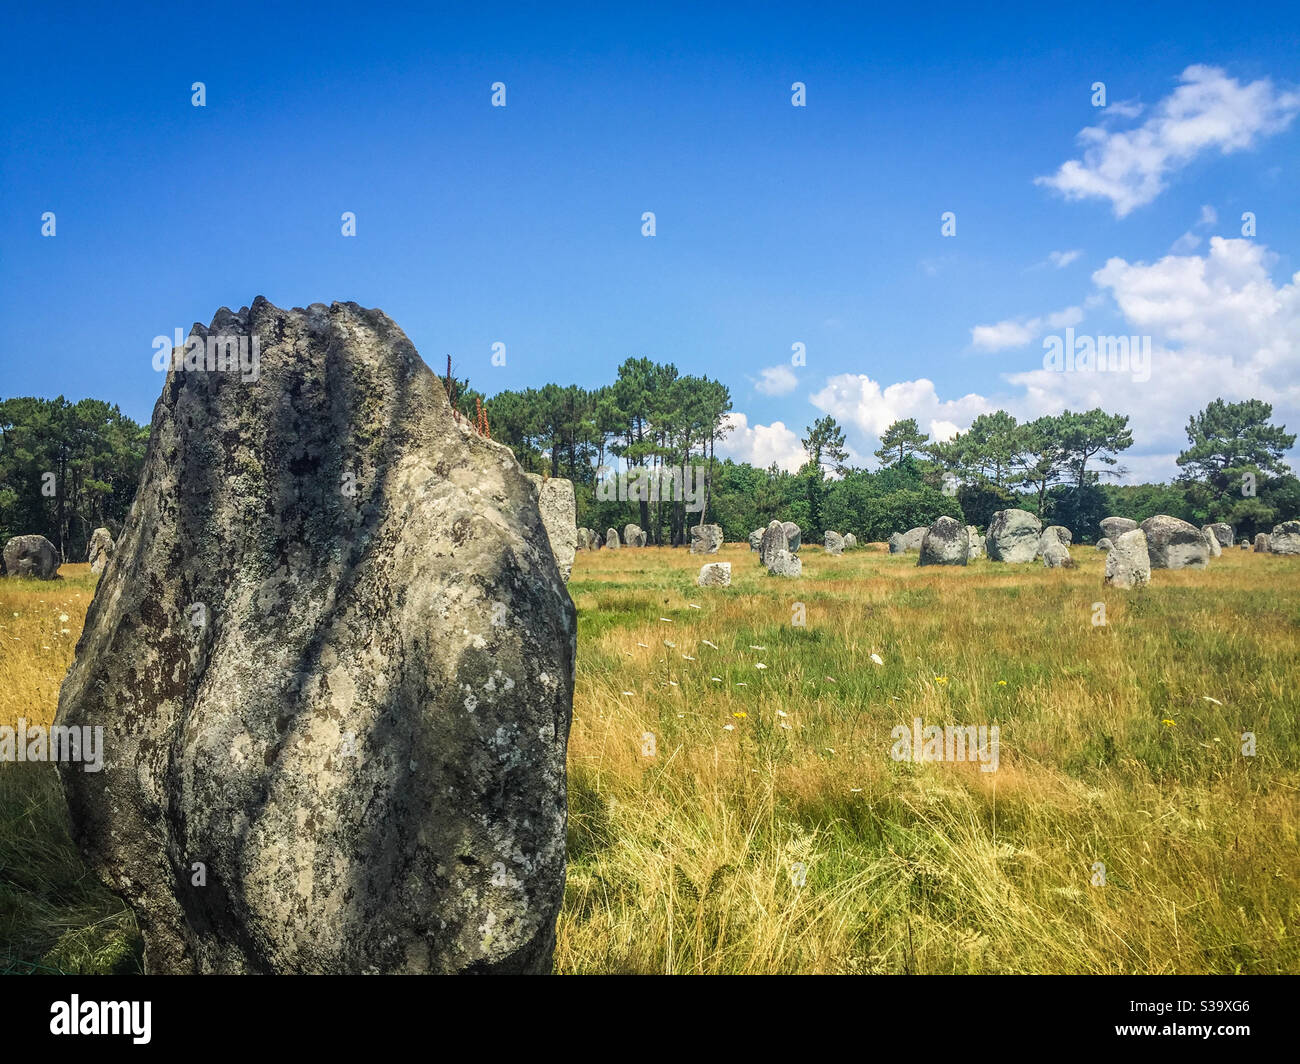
(706, 539)
(1114, 527)
(352, 709)
(100, 549)
(559, 511)
(1013, 536)
(1174, 544)
(1128, 563)
(946, 542)
(1285, 538)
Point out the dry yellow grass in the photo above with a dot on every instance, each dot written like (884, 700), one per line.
(682, 861)
(806, 848)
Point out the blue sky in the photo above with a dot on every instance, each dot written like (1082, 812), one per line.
(774, 224)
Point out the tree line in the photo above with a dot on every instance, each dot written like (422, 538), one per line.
(67, 468)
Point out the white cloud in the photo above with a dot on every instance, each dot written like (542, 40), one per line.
(1208, 110)
(1017, 332)
(854, 399)
(1209, 216)
(777, 380)
(1061, 259)
(761, 445)
(1187, 242)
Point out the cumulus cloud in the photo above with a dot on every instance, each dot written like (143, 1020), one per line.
(854, 399)
(1017, 332)
(761, 445)
(1207, 111)
(777, 380)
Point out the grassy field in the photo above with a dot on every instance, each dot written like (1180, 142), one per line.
(734, 806)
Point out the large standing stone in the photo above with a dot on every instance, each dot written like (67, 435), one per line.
(33, 556)
(611, 539)
(634, 536)
(911, 539)
(1056, 555)
(1261, 542)
(1211, 541)
(793, 536)
(1013, 536)
(1175, 544)
(975, 543)
(100, 549)
(896, 543)
(946, 542)
(1058, 533)
(834, 542)
(333, 659)
(1128, 564)
(773, 540)
(850, 541)
(1223, 532)
(784, 563)
(1285, 538)
(706, 539)
(755, 539)
(559, 511)
(715, 574)
(1114, 527)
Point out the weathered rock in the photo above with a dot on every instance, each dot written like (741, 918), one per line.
(1261, 542)
(1244, 545)
(32, 556)
(100, 549)
(1059, 533)
(1104, 544)
(755, 539)
(911, 539)
(850, 541)
(1114, 527)
(896, 543)
(784, 563)
(793, 536)
(706, 539)
(1223, 532)
(975, 543)
(611, 539)
(1211, 541)
(1175, 544)
(1056, 555)
(589, 539)
(559, 511)
(773, 540)
(1285, 538)
(946, 542)
(834, 542)
(715, 574)
(351, 704)
(1128, 564)
(634, 536)
(1013, 536)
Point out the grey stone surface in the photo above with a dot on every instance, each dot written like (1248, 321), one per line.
(1114, 527)
(976, 543)
(850, 541)
(1211, 541)
(1128, 564)
(100, 549)
(706, 539)
(1285, 538)
(559, 511)
(773, 540)
(1104, 544)
(1174, 544)
(834, 542)
(1059, 533)
(755, 539)
(1013, 536)
(911, 539)
(1056, 555)
(793, 536)
(352, 706)
(612, 541)
(896, 543)
(634, 536)
(946, 542)
(1261, 542)
(1223, 532)
(715, 574)
(783, 563)
(31, 556)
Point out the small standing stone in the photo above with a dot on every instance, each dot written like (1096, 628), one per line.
(715, 574)
(1128, 564)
